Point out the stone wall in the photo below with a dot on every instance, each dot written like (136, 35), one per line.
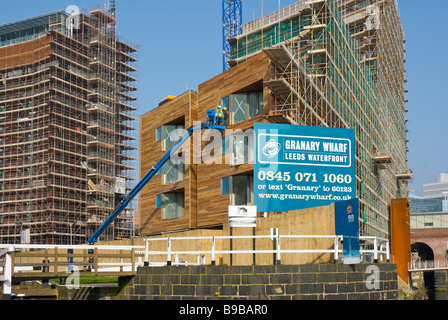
(288, 282)
(441, 279)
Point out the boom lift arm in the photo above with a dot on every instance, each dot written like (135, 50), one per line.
(213, 122)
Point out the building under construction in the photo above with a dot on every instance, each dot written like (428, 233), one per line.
(67, 103)
(316, 63)
(342, 64)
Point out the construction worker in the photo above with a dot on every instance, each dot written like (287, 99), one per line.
(225, 115)
(219, 115)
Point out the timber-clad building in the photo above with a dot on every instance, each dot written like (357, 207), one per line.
(317, 63)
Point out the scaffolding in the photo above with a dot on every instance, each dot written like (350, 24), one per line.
(341, 64)
(66, 127)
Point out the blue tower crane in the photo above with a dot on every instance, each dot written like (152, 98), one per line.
(113, 8)
(232, 22)
(213, 122)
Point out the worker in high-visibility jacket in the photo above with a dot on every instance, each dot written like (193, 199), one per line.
(219, 115)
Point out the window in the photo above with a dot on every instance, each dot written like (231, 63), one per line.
(241, 149)
(172, 172)
(225, 102)
(244, 106)
(159, 134)
(172, 134)
(158, 201)
(225, 186)
(239, 107)
(225, 144)
(240, 189)
(173, 205)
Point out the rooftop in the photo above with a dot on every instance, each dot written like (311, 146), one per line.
(31, 28)
(34, 22)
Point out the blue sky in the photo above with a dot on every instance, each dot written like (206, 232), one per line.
(180, 47)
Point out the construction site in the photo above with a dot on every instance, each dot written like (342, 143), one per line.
(68, 147)
(342, 64)
(68, 108)
(337, 64)
(67, 127)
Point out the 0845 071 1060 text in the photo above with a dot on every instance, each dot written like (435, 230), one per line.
(299, 167)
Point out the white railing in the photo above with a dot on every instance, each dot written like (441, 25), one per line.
(213, 251)
(276, 16)
(427, 265)
(374, 246)
(377, 247)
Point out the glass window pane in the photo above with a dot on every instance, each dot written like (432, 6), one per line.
(253, 104)
(238, 150)
(169, 206)
(225, 186)
(171, 134)
(239, 107)
(239, 190)
(173, 205)
(248, 149)
(260, 103)
(158, 201)
(172, 173)
(250, 189)
(159, 134)
(225, 102)
(180, 205)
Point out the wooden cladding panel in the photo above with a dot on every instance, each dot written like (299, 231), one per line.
(184, 109)
(212, 206)
(211, 92)
(25, 53)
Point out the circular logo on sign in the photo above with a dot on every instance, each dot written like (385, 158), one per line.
(271, 148)
(349, 209)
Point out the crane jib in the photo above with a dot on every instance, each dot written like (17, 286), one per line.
(124, 203)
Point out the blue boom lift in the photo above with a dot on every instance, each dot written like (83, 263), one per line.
(213, 122)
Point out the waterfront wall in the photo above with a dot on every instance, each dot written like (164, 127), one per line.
(287, 282)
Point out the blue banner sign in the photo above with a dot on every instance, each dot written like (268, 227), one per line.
(347, 225)
(298, 167)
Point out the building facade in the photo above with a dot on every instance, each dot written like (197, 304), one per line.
(315, 63)
(435, 197)
(66, 127)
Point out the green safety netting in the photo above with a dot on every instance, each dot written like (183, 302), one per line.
(269, 36)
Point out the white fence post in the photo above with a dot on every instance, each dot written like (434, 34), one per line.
(375, 250)
(168, 260)
(146, 263)
(213, 251)
(336, 250)
(7, 283)
(279, 260)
